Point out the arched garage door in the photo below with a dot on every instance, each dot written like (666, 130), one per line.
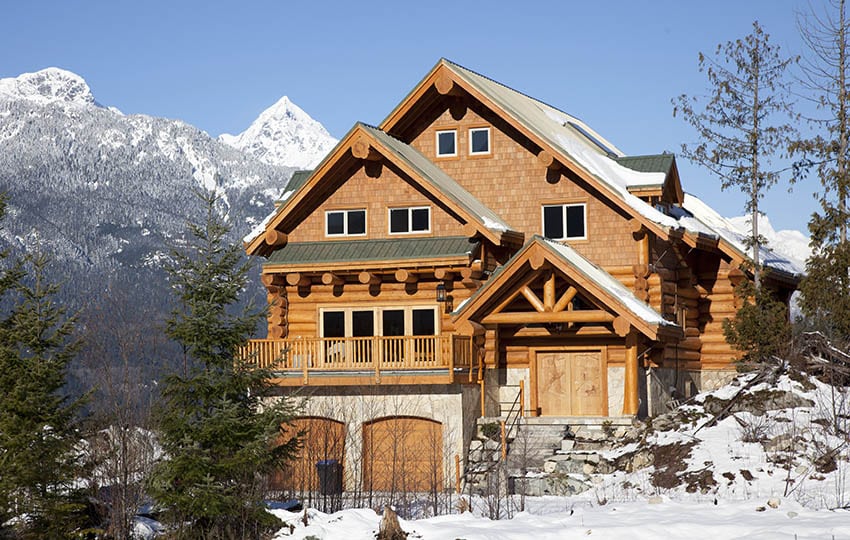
(402, 454)
(323, 439)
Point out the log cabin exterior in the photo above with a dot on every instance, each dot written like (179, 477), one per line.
(480, 248)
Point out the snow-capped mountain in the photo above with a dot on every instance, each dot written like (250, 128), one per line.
(285, 135)
(788, 243)
(100, 187)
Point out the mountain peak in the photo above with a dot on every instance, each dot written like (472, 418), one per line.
(284, 135)
(50, 85)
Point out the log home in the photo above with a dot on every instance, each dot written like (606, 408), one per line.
(481, 250)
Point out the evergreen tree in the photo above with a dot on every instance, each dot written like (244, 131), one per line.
(826, 70)
(761, 326)
(744, 125)
(215, 426)
(38, 424)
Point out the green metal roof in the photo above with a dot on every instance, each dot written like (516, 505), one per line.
(372, 250)
(299, 178)
(650, 163)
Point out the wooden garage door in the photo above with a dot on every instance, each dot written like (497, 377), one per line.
(323, 439)
(402, 454)
(570, 383)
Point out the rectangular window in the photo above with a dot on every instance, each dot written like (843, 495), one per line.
(379, 321)
(410, 220)
(345, 223)
(447, 143)
(564, 221)
(479, 141)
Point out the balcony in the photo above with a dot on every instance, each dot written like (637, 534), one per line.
(443, 359)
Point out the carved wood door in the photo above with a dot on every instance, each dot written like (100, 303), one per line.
(570, 383)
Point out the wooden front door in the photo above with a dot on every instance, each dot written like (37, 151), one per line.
(570, 383)
(403, 455)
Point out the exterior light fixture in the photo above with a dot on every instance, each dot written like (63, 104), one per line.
(441, 293)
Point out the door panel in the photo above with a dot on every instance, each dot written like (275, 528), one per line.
(402, 454)
(570, 383)
(323, 439)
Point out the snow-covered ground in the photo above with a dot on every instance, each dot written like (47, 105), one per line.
(557, 518)
(725, 488)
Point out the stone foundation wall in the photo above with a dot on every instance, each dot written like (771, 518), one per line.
(666, 386)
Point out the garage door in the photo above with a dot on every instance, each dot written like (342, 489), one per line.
(323, 439)
(570, 383)
(403, 454)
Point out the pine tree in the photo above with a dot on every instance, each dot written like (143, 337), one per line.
(38, 424)
(826, 74)
(215, 426)
(745, 124)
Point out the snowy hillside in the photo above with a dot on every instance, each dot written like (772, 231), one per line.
(284, 135)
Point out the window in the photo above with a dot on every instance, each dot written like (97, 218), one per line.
(379, 321)
(410, 220)
(345, 222)
(447, 143)
(479, 141)
(564, 221)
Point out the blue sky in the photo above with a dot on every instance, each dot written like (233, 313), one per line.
(217, 65)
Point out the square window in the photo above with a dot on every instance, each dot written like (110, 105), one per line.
(564, 221)
(336, 223)
(410, 220)
(446, 143)
(420, 219)
(399, 222)
(424, 322)
(479, 141)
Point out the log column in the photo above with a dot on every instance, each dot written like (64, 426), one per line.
(630, 384)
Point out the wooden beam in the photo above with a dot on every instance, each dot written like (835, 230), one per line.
(504, 303)
(444, 274)
(470, 230)
(549, 292)
(329, 278)
(470, 328)
(368, 278)
(297, 278)
(565, 299)
(473, 271)
(548, 160)
(631, 401)
(273, 279)
(405, 276)
(530, 317)
(532, 299)
(361, 149)
(470, 283)
(275, 238)
(444, 85)
(622, 326)
(537, 260)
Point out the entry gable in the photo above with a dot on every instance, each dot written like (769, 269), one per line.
(550, 283)
(366, 145)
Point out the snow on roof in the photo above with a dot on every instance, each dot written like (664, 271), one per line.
(605, 280)
(260, 228)
(576, 139)
(698, 217)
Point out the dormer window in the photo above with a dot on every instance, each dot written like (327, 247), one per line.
(564, 221)
(345, 222)
(479, 141)
(415, 219)
(447, 143)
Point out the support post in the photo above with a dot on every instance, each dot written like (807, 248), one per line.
(457, 474)
(521, 398)
(630, 390)
(504, 440)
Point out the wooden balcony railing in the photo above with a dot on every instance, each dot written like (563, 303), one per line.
(444, 354)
